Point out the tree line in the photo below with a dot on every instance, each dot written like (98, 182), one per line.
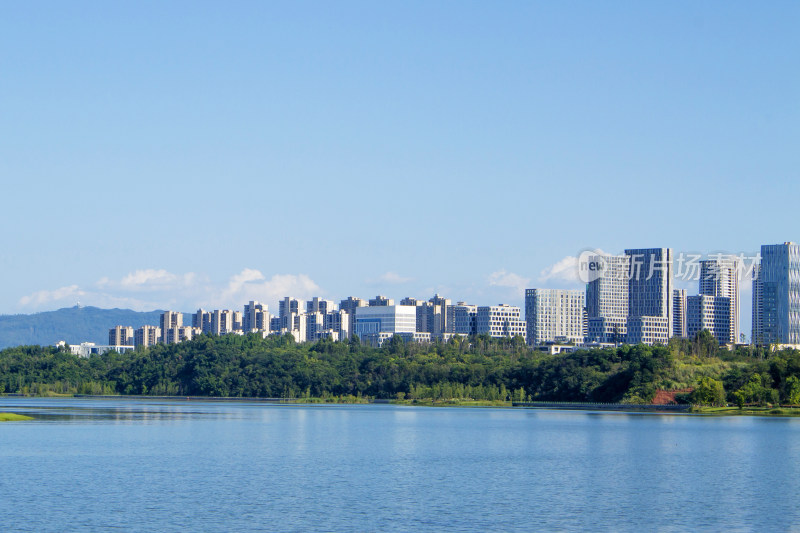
(477, 368)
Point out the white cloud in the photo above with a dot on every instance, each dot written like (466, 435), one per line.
(73, 294)
(239, 281)
(501, 278)
(183, 292)
(251, 284)
(43, 297)
(389, 278)
(564, 270)
(149, 280)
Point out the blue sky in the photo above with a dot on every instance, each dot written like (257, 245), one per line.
(179, 154)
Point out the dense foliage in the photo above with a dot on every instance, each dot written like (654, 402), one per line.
(479, 368)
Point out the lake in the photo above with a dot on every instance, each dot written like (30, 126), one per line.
(148, 465)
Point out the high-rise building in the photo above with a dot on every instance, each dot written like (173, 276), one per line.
(464, 318)
(337, 322)
(757, 335)
(630, 291)
(712, 313)
(650, 283)
(779, 280)
(421, 309)
(350, 305)
(171, 319)
(288, 305)
(438, 320)
(318, 305)
(275, 324)
(679, 313)
(719, 277)
(223, 321)
(255, 317)
(499, 321)
(178, 334)
(147, 336)
(380, 301)
(315, 325)
(299, 327)
(607, 301)
(120, 336)
(202, 320)
(554, 315)
(288, 308)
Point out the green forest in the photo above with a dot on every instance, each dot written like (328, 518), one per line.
(478, 368)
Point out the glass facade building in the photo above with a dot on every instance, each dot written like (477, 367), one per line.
(779, 284)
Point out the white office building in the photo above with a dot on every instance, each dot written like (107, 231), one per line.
(719, 277)
(377, 340)
(648, 330)
(499, 321)
(711, 313)
(385, 319)
(554, 315)
(87, 349)
(607, 301)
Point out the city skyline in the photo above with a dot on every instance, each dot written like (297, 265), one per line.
(192, 154)
(250, 284)
(628, 299)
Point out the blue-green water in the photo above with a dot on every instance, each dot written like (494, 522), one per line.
(205, 466)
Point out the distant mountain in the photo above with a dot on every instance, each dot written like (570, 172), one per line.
(71, 324)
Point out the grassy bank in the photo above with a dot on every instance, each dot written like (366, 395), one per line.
(11, 417)
(424, 402)
(747, 411)
(427, 402)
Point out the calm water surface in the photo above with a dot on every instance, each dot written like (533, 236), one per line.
(136, 465)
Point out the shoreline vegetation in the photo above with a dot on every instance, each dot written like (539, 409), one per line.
(480, 371)
(745, 411)
(13, 417)
(786, 411)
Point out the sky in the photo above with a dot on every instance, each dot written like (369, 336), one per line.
(176, 155)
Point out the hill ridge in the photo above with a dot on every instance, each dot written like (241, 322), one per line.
(74, 325)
